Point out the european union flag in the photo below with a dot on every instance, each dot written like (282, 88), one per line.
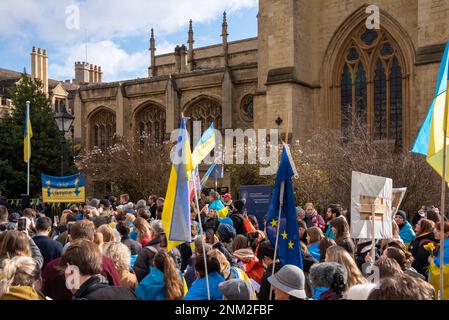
(289, 250)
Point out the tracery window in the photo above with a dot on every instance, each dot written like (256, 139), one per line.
(151, 123)
(371, 64)
(102, 129)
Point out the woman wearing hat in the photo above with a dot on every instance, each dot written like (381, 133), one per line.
(288, 283)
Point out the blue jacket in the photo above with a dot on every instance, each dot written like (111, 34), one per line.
(152, 287)
(406, 233)
(314, 250)
(329, 233)
(198, 291)
(50, 249)
(446, 254)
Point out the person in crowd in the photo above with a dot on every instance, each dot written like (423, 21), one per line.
(113, 201)
(30, 215)
(333, 211)
(18, 243)
(239, 242)
(237, 217)
(152, 205)
(160, 202)
(225, 234)
(87, 258)
(4, 223)
(98, 239)
(198, 290)
(420, 214)
(204, 199)
(253, 219)
(323, 245)
(328, 280)
(164, 282)
(434, 262)
(49, 248)
(144, 213)
(402, 287)
(341, 256)
(405, 228)
(107, 232)
(14, 218)
(144, 232)
(300, 214)
(189, 273)
(250, 264)
(265, 255)
(54, 285)
(314, 236)
(388, 267)
(141, 204)
(404, 259)
(124, 199)
(21, 279)
(302, 227)
(145, 259)
(124, 230)
(312, 218)
(289, 283)
(121, 257)
(67, 218)
(227, 201)
(340, 228)
(236, 289)
(424, 236)
(433, 214)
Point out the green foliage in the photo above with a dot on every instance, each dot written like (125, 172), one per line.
(45, 143)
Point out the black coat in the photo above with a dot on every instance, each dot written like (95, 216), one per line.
(265, 286)
(237, 219)
(134, 246)
(145, 258)
(421, 255)
(97, 288)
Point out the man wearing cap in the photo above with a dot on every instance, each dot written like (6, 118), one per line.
(405, 228)
(227, 201)
(289, 283)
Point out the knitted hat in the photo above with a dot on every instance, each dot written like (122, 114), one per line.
(402, 214)
(236, 289)
(226, 231)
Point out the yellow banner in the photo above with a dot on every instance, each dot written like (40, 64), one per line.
(53, 195)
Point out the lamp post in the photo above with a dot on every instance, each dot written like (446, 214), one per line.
(64, 122)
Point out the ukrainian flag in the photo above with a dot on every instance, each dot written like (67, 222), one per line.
(27, 135)
(204, 146)
(430, 138)
(434, 272)
(176, 213)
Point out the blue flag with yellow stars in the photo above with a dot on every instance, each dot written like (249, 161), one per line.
(289, 250)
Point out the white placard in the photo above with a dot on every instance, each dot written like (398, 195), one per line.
(396, 199)
(368, 192)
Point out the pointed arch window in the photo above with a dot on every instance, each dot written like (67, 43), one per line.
(151, 124)
(371, 86)
(102, 125)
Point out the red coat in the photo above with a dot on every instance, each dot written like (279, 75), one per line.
(254, 269)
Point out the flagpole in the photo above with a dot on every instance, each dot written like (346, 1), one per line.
(28, 146)
(443, 197)
(201, 233)
(281, 203)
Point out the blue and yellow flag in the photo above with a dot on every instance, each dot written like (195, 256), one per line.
(27, 135)
(176, 213)
(283, 198)
(430, 138)
(204, 146)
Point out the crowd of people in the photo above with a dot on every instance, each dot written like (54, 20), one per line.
(109, 249)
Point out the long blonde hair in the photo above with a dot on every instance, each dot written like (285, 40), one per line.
(20, 271)
(338, 254)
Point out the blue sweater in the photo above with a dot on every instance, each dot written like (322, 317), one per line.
(314, 250)
(50, 249)
(198, 291)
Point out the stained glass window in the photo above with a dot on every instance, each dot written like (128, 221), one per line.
(380, 102)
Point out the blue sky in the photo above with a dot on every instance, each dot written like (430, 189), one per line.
(116, 31)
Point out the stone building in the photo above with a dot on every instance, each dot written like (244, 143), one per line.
(313, 62)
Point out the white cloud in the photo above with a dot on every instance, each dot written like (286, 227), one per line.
(115, 62)
(106, 20)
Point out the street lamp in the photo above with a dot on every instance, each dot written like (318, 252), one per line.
(64, 121)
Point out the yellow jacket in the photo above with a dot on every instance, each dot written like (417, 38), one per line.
(22, 293)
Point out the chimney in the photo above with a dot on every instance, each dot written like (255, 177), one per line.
(34, 63)
(39, 67)
(82, 74)
(44, 77)
(100, 75)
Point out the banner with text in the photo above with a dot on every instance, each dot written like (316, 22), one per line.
(63, 189)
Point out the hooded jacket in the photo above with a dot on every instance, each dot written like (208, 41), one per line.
(152, 287)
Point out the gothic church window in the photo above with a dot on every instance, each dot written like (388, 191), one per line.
(102, 125)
